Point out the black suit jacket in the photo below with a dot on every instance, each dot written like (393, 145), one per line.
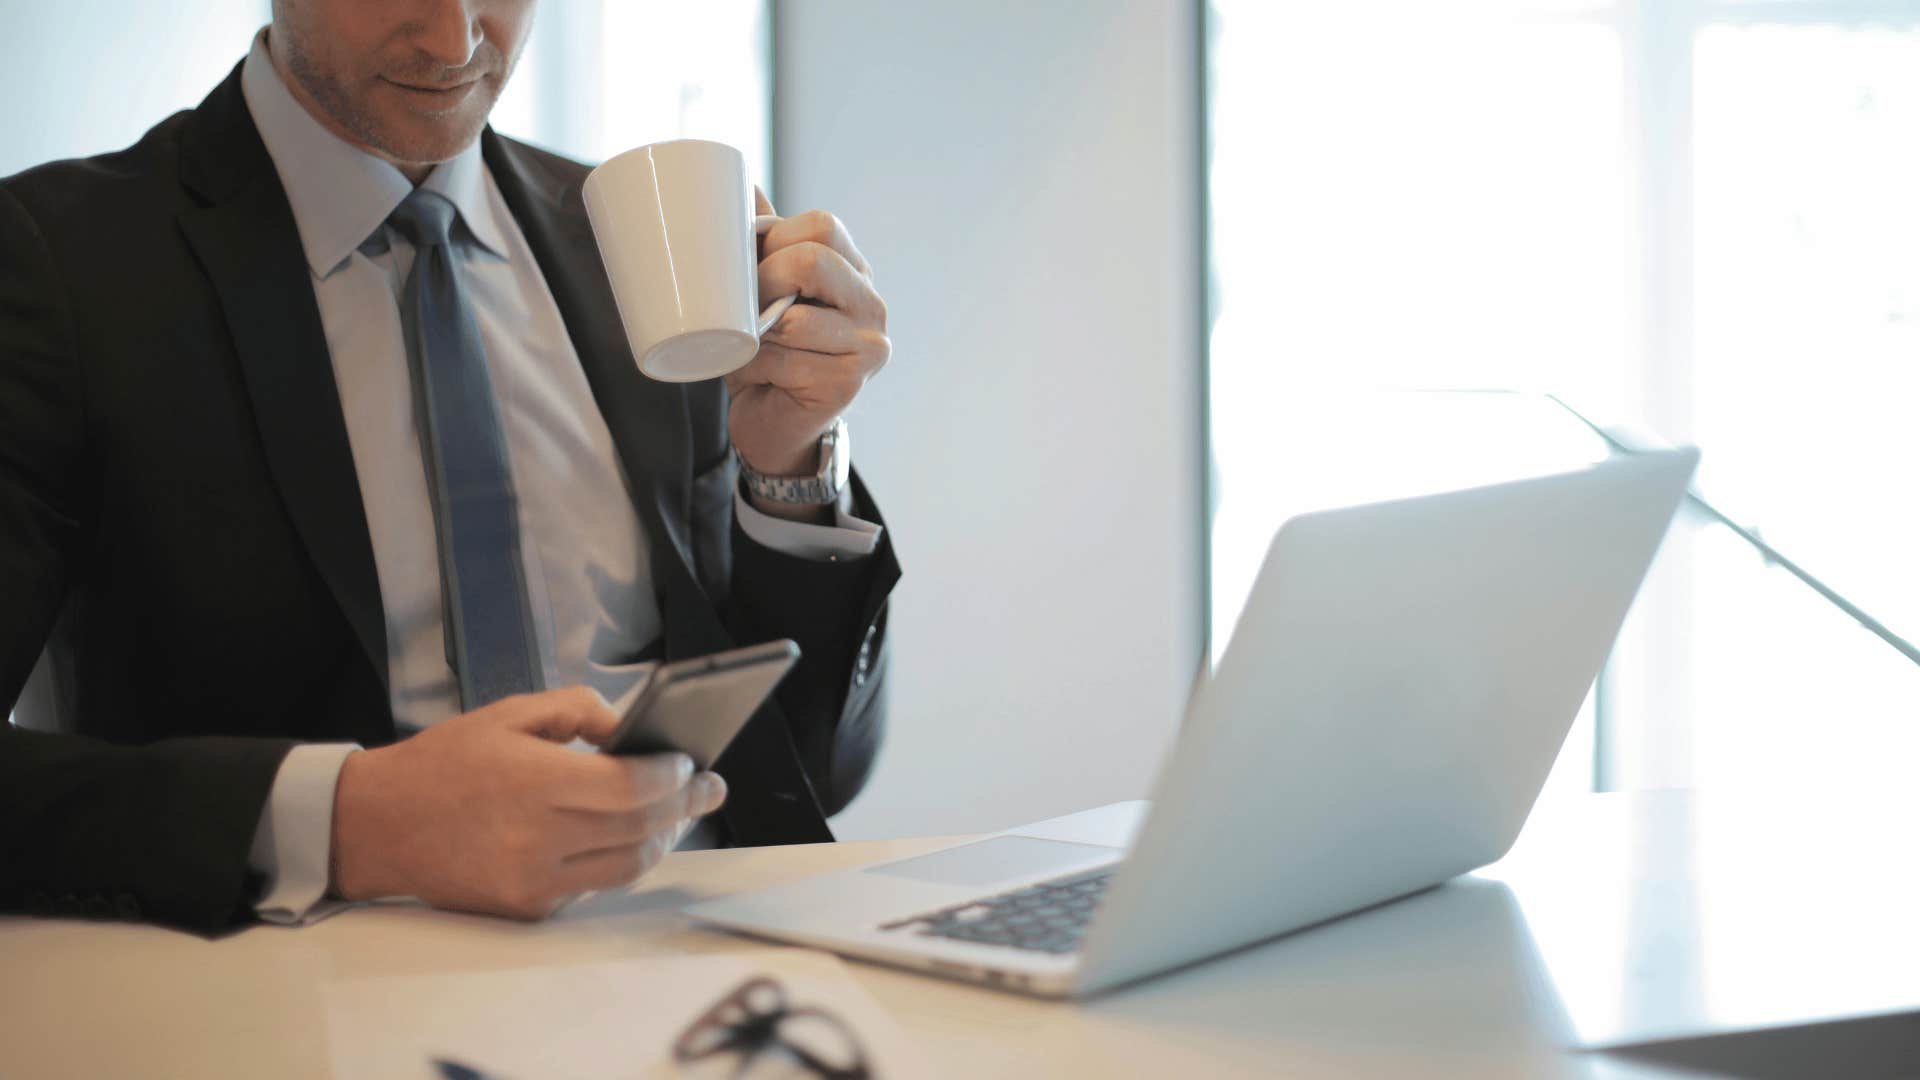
(185, 567)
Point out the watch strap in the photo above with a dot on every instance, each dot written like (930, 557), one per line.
(818, 489)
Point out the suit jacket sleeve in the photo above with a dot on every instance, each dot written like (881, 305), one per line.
(835, 699)
(158, 831)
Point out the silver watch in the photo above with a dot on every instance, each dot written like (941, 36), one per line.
(819, 489)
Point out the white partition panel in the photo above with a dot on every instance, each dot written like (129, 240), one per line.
(1024, 180)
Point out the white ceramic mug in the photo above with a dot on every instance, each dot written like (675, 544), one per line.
(676, 230)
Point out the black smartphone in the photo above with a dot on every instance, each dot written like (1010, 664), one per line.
(697, 706)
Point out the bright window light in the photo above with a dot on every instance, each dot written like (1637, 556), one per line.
(1696, 218)
(602, 76)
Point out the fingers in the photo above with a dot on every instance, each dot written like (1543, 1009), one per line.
(577, 712)
(606, 784)
(815, 227)
(812, 328)
(636, 843)
(607, 868)
(714, 788)
(819, 273)
(817, 383)
(760, 203)
(700, 797)
(578, 830)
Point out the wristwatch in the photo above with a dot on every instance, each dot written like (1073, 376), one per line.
(819, 489)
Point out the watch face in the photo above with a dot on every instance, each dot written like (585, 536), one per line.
(842, 464)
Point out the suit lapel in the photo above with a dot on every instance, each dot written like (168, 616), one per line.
(246, 239)
(648, 420)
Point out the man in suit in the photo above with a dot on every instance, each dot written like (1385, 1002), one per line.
(266, 655)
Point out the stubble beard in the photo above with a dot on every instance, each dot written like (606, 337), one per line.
(455, 132)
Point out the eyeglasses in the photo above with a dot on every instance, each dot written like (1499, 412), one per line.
(753, 1033)
(756, 1032)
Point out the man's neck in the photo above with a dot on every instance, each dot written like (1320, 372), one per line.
(415, 172)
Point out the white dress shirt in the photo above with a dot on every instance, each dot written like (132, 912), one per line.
(585, 552)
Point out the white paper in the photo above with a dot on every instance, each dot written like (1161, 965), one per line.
(593, 1021)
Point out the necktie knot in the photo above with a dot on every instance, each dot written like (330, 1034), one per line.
(424, 217)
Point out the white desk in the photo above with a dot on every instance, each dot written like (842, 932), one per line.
(1642, 914)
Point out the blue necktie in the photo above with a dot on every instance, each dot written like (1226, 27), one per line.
(490, 642)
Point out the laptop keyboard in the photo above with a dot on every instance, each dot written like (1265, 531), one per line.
(1049, 917)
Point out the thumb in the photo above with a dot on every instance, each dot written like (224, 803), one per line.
(577, 712)
(760, 203)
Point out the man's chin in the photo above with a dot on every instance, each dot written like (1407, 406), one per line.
(418, 145)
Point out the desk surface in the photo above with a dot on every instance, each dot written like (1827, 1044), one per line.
(1619, 917)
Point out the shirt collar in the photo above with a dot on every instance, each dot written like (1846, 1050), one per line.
(341, 194)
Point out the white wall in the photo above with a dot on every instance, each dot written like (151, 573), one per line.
(1023, 179)
(81, 77)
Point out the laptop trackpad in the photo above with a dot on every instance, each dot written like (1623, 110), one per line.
(1002, 858)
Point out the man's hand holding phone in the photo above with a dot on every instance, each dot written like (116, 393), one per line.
(490, 812)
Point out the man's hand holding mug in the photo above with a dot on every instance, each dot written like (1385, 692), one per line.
(691, 257)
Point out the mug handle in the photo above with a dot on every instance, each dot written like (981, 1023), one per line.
(761, 223)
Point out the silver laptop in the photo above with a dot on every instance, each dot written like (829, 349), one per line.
(1382, 720)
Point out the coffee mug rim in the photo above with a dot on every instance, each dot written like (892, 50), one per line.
(650, 147)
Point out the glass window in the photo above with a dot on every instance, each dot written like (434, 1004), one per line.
(1695, 218)
(679, 71)
(1806, 378)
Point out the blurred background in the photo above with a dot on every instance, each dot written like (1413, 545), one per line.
(1163, 272)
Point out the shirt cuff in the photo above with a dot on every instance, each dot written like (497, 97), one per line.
(292, 843)
(848, 537)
